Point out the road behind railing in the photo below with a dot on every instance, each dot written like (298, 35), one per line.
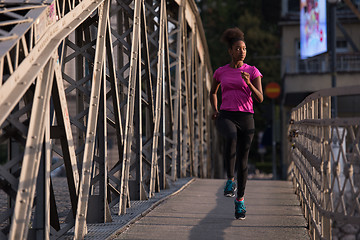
(325, 164)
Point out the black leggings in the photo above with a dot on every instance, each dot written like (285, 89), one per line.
(237, 129)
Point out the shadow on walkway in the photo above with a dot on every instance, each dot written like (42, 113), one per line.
(273, 212)
(202, 212)
(217, 220)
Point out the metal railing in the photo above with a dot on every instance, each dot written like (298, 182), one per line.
(325, 164)
(321, 64)
(115, 90)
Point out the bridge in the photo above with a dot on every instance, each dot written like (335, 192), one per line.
(113, 95)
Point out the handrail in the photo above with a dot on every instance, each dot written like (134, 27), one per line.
(324, 161)
(332, 92)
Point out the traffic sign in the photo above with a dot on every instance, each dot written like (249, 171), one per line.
(272, 90)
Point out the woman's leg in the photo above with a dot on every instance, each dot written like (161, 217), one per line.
(229, 133)
(244, 139)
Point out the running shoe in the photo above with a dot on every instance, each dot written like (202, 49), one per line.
(240, 209)
(230, 188)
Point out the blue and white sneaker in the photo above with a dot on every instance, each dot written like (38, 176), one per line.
(240, 209)
(230, 188)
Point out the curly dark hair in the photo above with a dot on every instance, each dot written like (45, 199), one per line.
(232, 35)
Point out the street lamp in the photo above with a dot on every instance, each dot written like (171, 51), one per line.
(332, 31)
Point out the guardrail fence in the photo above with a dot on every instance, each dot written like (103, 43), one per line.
(325, 164)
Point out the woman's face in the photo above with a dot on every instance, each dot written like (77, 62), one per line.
(238, 51)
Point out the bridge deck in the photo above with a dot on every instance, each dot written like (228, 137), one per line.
(201, 211)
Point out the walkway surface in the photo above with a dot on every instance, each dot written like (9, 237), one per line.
(201, 211)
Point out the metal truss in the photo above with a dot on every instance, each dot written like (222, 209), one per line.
(325, 163)
(113, 91)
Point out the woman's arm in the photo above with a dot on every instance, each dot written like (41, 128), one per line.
(255, 86)
(213, 97)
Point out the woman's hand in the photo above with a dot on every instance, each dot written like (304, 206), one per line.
(213, 98)
(255, 86)
(215, 115)
(246, 77)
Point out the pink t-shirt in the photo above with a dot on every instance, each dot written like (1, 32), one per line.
(236, 94)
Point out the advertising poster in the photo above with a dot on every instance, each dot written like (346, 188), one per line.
(313, 34)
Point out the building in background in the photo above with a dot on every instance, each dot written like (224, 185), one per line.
(300, 77)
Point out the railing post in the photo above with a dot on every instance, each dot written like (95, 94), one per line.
(316, 149)
(305, 143)
(310, 147)
(325, 113)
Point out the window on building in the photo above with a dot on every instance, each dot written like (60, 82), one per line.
(315, 64)
(320, 64)
(294, 5)
(341, 46)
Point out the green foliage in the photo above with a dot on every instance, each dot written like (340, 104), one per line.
(258, 19)
(262, 47)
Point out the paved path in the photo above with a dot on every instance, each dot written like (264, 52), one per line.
(202, 212)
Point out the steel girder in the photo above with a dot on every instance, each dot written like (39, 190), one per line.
(76, 76)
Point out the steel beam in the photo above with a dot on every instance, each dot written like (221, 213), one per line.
(135, 64)
(91, 130)
(111, 75)
(158, 95)
(30, 166)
